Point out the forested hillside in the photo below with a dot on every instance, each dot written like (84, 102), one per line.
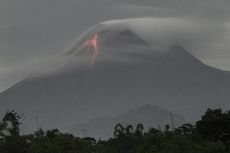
(211, 134)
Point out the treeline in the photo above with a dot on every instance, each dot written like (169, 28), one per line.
(211, 134)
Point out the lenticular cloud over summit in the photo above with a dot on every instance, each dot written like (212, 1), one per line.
(159, 32)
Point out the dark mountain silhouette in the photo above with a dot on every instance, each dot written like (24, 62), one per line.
(150, 116)
(119, 78)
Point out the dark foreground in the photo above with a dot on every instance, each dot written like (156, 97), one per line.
(211, 134)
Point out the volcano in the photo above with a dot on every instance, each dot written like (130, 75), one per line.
(125, 72)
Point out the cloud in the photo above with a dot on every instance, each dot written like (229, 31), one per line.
(194, 35)
(132, 10)
(33, 29)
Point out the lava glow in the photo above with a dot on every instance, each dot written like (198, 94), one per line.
(92, 44)
(92, 47)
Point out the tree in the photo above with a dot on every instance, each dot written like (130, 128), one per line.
(139, 130)
(129, 130)
(215, 125)
(186, 129)
(11, 141)
(2, 131)
(119, 131)
(11, 123)
(153, 132)
(167, 127)
(52, 133)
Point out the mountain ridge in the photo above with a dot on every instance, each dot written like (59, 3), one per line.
(119, 79)
(150, 116)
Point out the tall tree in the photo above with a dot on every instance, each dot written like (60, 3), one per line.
(11, 122)
(139, 130)
(215, 125)
(119, 130)
(129, 130)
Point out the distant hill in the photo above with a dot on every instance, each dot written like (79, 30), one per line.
(148, 115)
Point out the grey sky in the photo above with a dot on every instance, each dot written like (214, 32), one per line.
(31, 29)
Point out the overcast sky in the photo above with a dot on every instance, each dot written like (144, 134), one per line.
(32, 29)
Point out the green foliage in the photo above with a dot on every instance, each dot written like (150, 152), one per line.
(215, 125)
(210, 135)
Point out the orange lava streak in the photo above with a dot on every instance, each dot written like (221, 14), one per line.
(94, 44)
(90, 44)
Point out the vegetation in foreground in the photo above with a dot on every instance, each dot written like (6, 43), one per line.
(211, 134)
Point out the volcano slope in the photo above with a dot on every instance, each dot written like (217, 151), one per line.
(112, 71)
